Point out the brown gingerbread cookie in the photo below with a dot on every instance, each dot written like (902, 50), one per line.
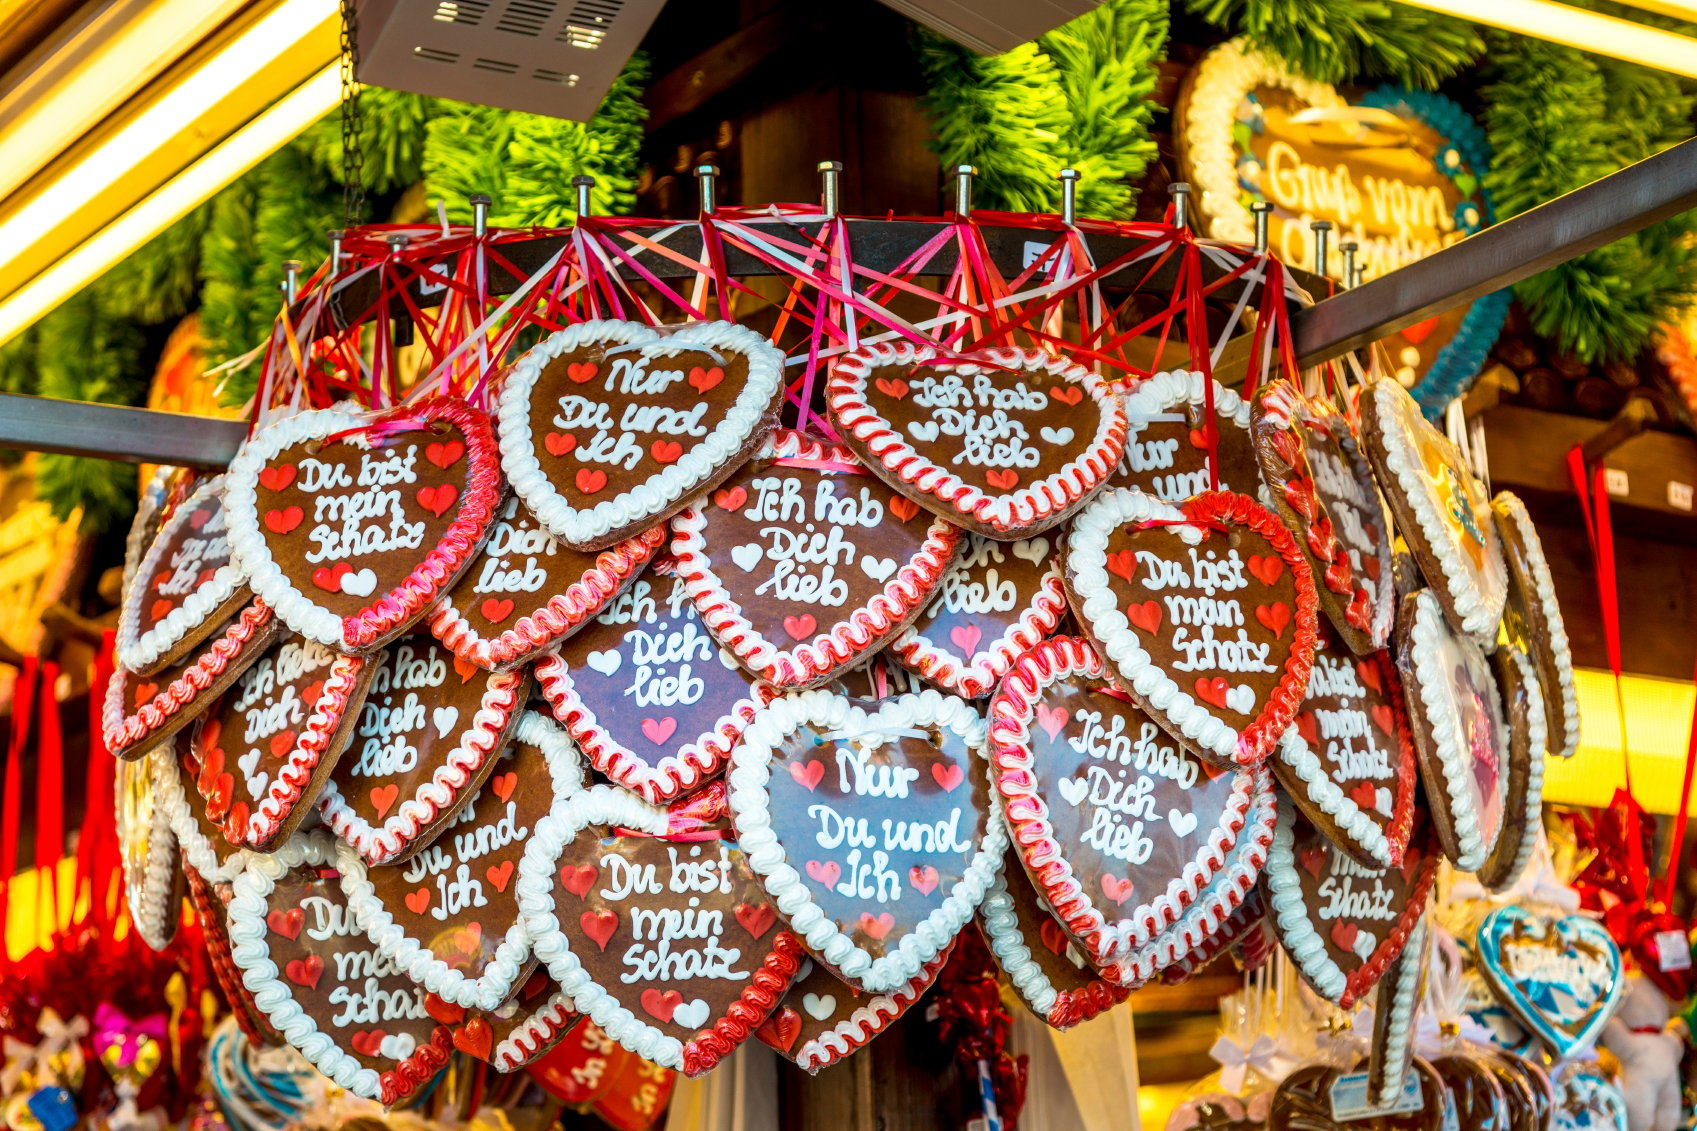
(208, 900)
(1533, 617)
(1523, 797)
(521, 1029)
(1475, 1090)
(147, 851)
(1310, 1097)
(1396, 1004)
(1171, 438)
(823, 1020)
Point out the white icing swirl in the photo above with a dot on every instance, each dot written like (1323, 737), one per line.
(140, 651)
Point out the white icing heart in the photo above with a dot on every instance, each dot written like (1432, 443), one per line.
(727, 661)
(606, 662)
(1033, 550)
(1241, 699)
(691, 1014)
(878, 568)
(249, 763)
(1073, 956)
(1056, 435)
(360, 583)
(1365, 942)
(819, 1006)
(1073, 790)
(1182, 823)
(1383, 801)
(746, 556)
(397, 1046)
(444, 718)
(923, 431)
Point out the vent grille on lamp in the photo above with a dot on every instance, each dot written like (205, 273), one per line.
(990, 27)
(555, 57)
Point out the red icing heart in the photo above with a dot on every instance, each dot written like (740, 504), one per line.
(1116, 889)
(703, 379)
(1306, 727)
(219, 797)
(439, 498)
(286, 923)
(1322, 541)
(966, 637)
(827, 873)
(661, 1005)
(161, 609)
(368, 1042)
(1003, 479)
(475, 1038)
(1420, 331)
(948, 775)
(1344, 933)
(305, 971)
(658, 731)
(581, 371)
(144, 693)
(1067, 394)
(502, 785)
(781, 1029)
(1299, 493)
(807, 774)
(1123, 563)
(329, 578)
(1365, 795)
(730, 498)
(1052, 719)
(1285, 445)
(417, 900)
(1382, 719)
(235, 826)
(281, 743)
(756, 918)
(600, 925)
(876, 926)
(800, 627)
(1053, 937)
(891, 387)
(1276, 617)
(285, 520)
(383, 798)
(1369, 673)
(1267, 568)
(924, 878)
(1212, 690)
(1360, 610)
(1203, 438)
(277, 477)
(499, 874)
(495, 610)
(559, 443)
(1339, 578)
(1312, 859)
(578, 880)
(589, 480)
(1146, 618)
(666, 451)
(444, 453)
(904, 508)
(465, 669)
(442, 1011)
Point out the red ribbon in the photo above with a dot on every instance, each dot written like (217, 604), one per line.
(23, 700)
(97, 848)
(49, 798)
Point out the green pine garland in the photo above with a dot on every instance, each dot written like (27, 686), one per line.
(1077, 97)
(1351, 40)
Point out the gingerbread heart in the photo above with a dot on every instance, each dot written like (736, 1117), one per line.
(1521, 1104)
(1539, 1089)
(526, 592)
(1313, 1098)
(1561, 976)
(186, 585)
(821, 1021)
(668, 945)
(140, 712)
(537, 1017)
(1171, 435)
(153, 874)
(1006, 442)
(609, 428)
(1205, 612)
(1532, 616)
(1460, 734)
(1238, 929)
(1396, 1002)
(1119, 826)
(995, 601)
(1342, 923)
(350, 525)
(872, 827)
(164, 489)
(1586, 1100)
(804, 563)
(267, 747)
(1348, 761)
(352, 1013)
(449, 916)
(430, 730)
(205, 848)
(1323, 489)
(1042, 962)
(1441, 509)
(1523, 793)
(1475, 1094)
(1219, 1111)
(208, 899)
(652, 699)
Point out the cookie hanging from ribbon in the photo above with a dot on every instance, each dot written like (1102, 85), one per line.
(1532, 615)
(1119, 826)
(430, 731)
(1205, 612)
(1523, 789)
(267, 747)
(449, 916)
(1329, 1097)
(804, 563)
(610, 428)
(652, 699)
(1560, 975)
(1441, 509)
(1170, 437)
(667, 943)
(205, 848)
(519, 1031)
(1396, 1003)
(1342, 923)
(1348, 762)
(147, 850)
(872, 827)
(186, 586)
(527, 592)
(163, 490)
(1324, 491)
(1456, 715)
(1043, 963)
(997, 600)
(821, 1020)
(209, 898)
(350, 525)
(315, 976)
(1007, 442)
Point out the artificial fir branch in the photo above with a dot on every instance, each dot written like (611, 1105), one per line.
(1352, 40)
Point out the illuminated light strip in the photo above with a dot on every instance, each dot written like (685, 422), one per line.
(140, 139)
(1676, 8)
(1574, 27)
(176, 198)
(1658, 721)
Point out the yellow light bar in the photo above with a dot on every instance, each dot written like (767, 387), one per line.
(1678, 9)
(1658, 723)
(173, 200)
(1574, 27)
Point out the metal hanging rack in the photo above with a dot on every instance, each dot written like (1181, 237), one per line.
(1499, 256)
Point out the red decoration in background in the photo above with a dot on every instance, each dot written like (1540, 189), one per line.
(967, 1003)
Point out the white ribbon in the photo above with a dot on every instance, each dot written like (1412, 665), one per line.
(1235, 1061)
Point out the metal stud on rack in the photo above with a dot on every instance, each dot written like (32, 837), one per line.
(291, 280)
(963, 190)
(1069, 196)
(336, 237)
(1348, 248)
(830, 174)
(1180, 192)
(708, 175)
(581, 184)
(1263, 210)
(480, 203)
(1322, 230)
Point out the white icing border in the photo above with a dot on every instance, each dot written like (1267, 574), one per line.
(1329, 798)
(1532, 813)
(1000, 923)
(497, 982)
(1407, 974)
(1160, 393)
(1023, 512)
(547, 1024)
(157, 916)
(1428, 631)
(137, 650)
(1477, 598)
(1509, 508)
(660, 494)
(867, 1021)
(751, 768)
(136, 543)
(197, 848)
(599, 805)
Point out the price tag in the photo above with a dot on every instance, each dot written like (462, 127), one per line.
(1679, 495)
(1615, 482)
(1350, 1102)
(1673, 952)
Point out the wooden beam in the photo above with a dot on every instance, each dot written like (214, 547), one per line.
(698, 80)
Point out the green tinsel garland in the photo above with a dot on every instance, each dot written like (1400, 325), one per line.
(1351, 40)
(1079, 96)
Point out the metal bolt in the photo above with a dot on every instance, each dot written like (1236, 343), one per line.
(480, 203)
(336, 238)
(291, 280)
(1263, 210)
(1180, 192)
(1069, 195)
(583, 183)
(830, 173)
(397, 242)
(963, 190)
(1322, 230)
(1349, 248)
(707, 174)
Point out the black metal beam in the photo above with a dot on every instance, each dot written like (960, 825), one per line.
(128, 435)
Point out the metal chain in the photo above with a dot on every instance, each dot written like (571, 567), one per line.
(353, 156)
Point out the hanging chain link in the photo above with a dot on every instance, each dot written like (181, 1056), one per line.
(353, 156)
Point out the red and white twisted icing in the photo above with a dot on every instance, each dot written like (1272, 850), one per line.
(295, 774)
